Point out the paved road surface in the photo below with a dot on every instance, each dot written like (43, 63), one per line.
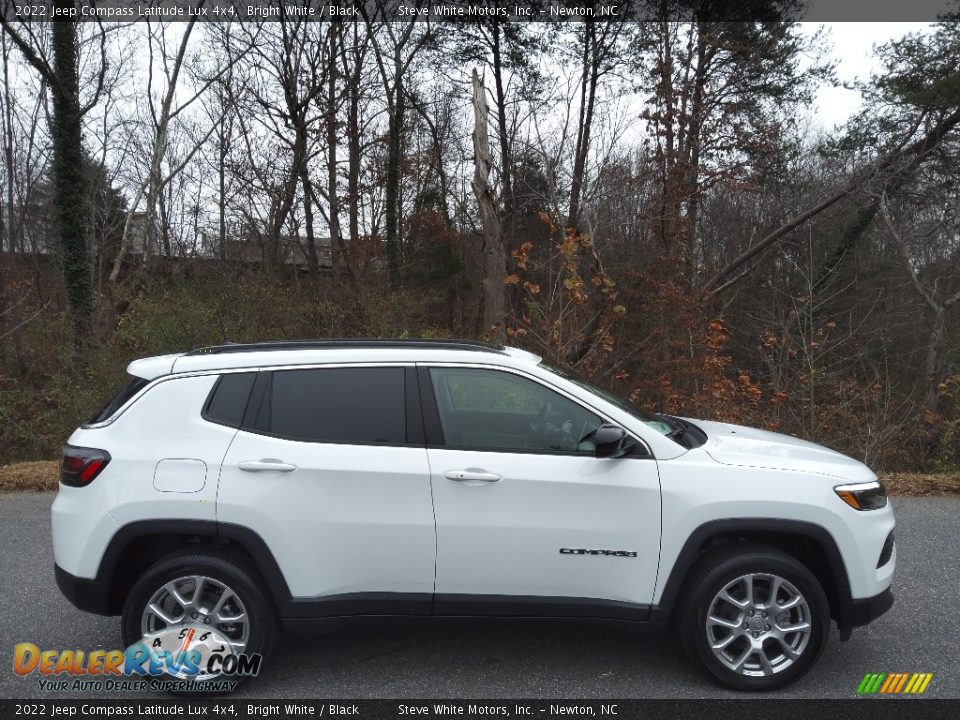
(512, 660)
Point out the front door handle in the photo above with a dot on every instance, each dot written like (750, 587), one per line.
(266, 466)
(471, 475)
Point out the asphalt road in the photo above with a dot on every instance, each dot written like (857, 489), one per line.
(518, 659)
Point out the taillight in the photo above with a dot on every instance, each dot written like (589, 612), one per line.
(79, 466)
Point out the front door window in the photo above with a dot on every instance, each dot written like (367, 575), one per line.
(499, 411)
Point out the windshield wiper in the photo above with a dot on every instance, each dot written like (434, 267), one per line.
(683, 431)
(678, 428)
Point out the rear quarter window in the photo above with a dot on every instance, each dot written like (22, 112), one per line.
(228, 399)
(133, 386)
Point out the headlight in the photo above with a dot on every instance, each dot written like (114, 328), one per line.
(863, 496)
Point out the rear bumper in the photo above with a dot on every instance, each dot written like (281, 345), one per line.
(88, 595)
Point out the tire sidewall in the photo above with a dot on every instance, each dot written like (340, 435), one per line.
(757, 562)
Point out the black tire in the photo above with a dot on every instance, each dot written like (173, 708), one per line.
(714, 573)
(229, 568)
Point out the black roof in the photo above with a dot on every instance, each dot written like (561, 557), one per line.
(328, 344)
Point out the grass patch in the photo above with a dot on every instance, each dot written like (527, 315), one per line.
(922, 484)
(38, 475)
(43, 475)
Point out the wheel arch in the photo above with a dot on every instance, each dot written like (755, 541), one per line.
(136, 546)
(811, 544)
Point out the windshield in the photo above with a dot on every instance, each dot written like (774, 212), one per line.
(655, 422)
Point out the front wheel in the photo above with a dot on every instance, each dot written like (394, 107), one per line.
(755, 617)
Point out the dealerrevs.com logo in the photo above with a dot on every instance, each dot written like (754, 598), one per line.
(182, 657)
(894, 683)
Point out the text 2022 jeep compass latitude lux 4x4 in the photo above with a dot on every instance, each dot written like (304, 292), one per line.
(240, 485)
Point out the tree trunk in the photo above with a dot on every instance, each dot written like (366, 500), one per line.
(313, 260)
(506, 158)
(936, 356)
(282, 204)
(588, 89)
(6, 229)
(392, 192)
(668, 195)
(69, 180)
(494, 263)
(222, 194)
(336, 240)
(353, 162)
(8, 147)
(3, 296)
(353, 142)
(692, 164)
(164, 198)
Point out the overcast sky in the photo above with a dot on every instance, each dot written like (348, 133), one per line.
(853, 44)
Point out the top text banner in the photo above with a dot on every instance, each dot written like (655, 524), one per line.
(453, 11)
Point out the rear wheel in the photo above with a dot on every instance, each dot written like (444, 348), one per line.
(204, 595)
(755, 617)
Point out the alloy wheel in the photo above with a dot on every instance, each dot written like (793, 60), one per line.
(758, 624)
(198, 600)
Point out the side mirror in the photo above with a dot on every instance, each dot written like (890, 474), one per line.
(612, 441)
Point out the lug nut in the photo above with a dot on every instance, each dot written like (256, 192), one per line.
(766, 627)
(756, 634)
(764, 613)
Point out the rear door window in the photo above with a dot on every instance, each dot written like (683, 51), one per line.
(354, 406)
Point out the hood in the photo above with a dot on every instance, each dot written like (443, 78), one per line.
(749, 447)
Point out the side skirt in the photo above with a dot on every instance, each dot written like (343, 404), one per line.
(450, 605)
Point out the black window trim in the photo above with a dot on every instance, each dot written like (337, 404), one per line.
(260, 387)
(434, 430)
(411, 396)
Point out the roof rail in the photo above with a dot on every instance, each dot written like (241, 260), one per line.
(334, 343)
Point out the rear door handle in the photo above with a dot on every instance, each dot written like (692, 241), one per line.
(471, 476)
(266, 466)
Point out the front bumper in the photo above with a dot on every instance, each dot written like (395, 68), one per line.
(863, 611)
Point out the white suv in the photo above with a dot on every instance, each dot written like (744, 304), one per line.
(242, 485)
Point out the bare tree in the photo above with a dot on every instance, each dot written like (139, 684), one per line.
(394, 59)
(157, 178)
(598, 43)
(353, 56)
(891, 163)
(494, 267)
(71, 187)
(938, 305)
